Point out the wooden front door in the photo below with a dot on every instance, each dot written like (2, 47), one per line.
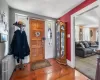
(37, 43)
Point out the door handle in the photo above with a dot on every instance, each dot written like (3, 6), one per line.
(43, 38)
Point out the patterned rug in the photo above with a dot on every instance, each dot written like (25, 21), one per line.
(87, 66)
(40, 64)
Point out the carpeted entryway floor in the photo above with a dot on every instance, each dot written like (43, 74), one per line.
(87, 65)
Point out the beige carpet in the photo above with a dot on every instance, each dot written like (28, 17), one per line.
(40, 64)
(87, 65)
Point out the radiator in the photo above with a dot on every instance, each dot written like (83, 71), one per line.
(8, 65)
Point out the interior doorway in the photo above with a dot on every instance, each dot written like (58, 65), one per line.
(92, 6)
(86, 43)
(37, 40)
(83, 38)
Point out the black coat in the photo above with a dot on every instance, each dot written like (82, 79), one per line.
(19, 45)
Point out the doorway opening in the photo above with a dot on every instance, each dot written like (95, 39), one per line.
(85, 40)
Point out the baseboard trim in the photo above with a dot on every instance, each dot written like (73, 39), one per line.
(70, 64)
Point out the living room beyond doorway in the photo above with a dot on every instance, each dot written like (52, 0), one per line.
(86, 42)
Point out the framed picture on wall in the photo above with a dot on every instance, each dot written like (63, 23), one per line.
(3, 37)
(91, 33)
(2, 16)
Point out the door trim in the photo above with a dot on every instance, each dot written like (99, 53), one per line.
(87, 8)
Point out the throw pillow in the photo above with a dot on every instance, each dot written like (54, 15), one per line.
(82, 45)
(93, 43)
(86, 45)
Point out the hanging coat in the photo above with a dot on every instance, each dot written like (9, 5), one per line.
(19, 45)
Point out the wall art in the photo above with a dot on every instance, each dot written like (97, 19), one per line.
(3, 22)
(3, 37)
(2, 17)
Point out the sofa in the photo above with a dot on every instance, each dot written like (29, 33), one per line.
(85, 48)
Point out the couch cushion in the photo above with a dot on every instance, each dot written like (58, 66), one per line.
(82, 45)
(86, 44)
(89, 43)
(93, 43)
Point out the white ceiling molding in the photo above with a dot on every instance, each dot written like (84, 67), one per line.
(98, 8)
(91, 26)
(88, 18)
(72, 7)
(49, 8)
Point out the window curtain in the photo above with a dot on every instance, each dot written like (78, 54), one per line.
(76, 33)
(86, 34)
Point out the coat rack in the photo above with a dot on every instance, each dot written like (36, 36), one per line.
(20, 25)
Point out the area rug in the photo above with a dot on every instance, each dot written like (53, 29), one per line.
(40, 64)
(87, 66)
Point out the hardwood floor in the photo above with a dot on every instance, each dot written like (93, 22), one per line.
(54, 72)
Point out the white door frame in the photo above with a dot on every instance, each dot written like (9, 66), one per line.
(87, 8)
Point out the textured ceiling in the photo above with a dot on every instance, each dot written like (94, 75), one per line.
(88, 19)
(50, 8)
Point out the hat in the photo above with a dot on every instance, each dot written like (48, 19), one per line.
(19, 24)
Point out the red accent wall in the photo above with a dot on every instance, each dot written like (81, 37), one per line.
(67, 18)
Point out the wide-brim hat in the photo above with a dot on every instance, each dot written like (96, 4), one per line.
(19, 24)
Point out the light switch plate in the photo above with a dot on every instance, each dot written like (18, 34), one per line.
(68, 36)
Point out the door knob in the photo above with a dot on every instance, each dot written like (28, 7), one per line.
(43, 38)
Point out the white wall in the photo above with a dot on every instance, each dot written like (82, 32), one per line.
(4, 46)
